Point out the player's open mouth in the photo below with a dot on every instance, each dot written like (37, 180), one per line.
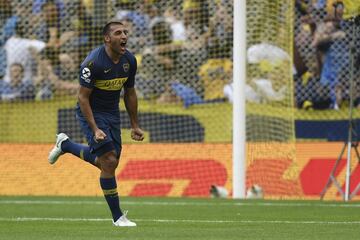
(122, 46)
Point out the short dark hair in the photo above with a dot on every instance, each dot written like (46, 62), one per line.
(16, 64)
(106, 28)
(48, 2)
(338, 3)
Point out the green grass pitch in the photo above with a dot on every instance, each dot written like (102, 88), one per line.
(177, 218)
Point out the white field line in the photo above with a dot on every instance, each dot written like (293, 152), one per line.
(31, 219)
(181, 203)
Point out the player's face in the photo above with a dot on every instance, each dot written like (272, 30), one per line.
(118, 36)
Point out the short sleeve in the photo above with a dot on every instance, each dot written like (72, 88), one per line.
(87, 73)
(37, 44)
(130, 83)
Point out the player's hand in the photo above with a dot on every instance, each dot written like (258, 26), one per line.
(137, 134)
(99, 135)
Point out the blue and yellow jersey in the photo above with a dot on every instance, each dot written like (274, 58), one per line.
(107, 78)
(215, 74)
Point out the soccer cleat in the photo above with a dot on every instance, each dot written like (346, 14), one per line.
(56, 152)
(124, 222)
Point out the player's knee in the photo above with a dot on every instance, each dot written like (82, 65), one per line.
(109, 161)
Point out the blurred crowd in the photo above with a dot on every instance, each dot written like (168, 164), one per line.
(183, 48)
(41, 43)
(326, 53)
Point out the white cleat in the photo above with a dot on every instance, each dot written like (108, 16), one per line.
(56, 152)
(124, 222)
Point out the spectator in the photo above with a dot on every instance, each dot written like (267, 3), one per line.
(13, 13)
(51, 29)
(333, 53)
(5, 14)
(196, 20)
(45, 78)
(215, 73)
(173, 17)
(37, 6)
(68, 69)
(17, 88)
(47, 82)
(158, 64)
(220, 30)
(139, 13)
(193, 52)
(305, 26)
(21, 13)
(352, 7)
(79, 32)
(20, 49)
(309, 93)
(67, 32)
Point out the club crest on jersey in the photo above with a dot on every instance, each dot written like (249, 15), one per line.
(126, 67)
(85, 74)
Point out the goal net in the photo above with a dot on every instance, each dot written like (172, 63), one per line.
(269, 91)
(184, 55)
(184, 52)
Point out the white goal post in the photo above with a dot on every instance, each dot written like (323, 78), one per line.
(239, 78)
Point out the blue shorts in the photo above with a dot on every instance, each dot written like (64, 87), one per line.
(110, 125)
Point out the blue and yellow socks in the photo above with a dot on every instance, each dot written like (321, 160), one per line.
(79, 150)
(109, 188)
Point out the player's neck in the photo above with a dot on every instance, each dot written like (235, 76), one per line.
(114, 57)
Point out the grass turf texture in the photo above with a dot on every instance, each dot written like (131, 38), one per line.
(177, 218)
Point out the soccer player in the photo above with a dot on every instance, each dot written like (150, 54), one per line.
(104, 72)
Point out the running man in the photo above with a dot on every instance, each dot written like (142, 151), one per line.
(104, 72)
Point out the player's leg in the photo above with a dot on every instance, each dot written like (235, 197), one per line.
(84, 152)
(109, 162)
(108, 155)
(65, 145)
(81, 151)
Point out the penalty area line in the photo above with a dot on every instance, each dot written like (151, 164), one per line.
(49, 219)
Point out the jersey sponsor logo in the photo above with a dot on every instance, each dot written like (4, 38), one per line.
(85, 74)
(126, 67)
(111, 84)
(107, 70)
